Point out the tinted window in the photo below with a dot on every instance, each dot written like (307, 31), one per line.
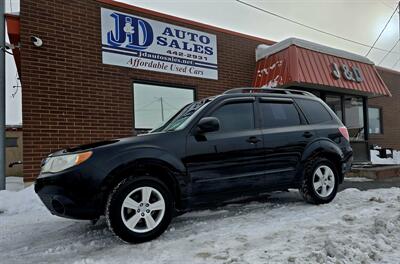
(235, 117)
(279, 114)
(315, 112)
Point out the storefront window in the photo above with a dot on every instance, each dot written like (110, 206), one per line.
(374, 117)
(335, 103)
(354, 117)
(155, 104)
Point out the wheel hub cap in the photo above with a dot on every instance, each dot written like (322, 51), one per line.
(143, 209)
(323, 181)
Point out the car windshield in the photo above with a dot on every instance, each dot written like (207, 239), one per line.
(183, 117)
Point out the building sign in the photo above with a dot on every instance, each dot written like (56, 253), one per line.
(352, 73)
(141, 43)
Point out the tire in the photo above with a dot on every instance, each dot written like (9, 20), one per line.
(317, 186)
(129, 212)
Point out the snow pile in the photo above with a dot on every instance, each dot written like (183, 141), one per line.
(14, 183)
(375, 159)
(357, 227)
(21, 202)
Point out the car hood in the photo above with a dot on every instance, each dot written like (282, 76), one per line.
(151, 139)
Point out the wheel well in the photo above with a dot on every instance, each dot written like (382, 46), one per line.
(149, 168)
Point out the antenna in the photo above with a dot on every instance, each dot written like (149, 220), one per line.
(162, 107)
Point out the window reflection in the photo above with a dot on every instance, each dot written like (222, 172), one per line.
(335, 103)
(154, 104)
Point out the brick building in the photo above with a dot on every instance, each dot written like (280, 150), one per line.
(77, 90)
(390, 112)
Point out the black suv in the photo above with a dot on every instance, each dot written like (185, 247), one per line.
(244, 142)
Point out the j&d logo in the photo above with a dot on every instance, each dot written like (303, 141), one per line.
(130, 32)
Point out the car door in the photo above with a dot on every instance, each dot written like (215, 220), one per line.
(230, 160)
(285, 135)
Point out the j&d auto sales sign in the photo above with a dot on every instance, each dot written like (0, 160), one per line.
(146, 44)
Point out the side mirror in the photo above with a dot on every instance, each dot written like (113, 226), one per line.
(208, 124)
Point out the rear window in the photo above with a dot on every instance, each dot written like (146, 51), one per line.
(276, 114)
(314, 111)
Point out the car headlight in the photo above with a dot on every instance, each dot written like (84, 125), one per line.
(63, 162)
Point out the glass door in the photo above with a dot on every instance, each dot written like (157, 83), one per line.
(335, 103)
(354, 112)
(351, 110)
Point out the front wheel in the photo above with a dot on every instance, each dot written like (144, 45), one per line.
(139, 209)
(320, 181)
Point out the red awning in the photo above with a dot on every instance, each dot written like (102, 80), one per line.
(13, 27)
(299, 62)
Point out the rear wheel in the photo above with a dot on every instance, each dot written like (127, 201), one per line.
(320, 181)
(139, 209)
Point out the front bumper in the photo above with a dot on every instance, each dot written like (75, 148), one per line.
(61, 204)
(68, 194)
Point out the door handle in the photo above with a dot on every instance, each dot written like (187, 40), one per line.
(307, 134)
(253, 140)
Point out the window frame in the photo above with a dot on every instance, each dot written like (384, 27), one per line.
(156, 83)
(380, 119)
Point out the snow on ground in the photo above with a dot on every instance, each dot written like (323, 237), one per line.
(357, 227)
(375, 159)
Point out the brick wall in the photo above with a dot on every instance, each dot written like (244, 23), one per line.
(390, 112)
(70, 97)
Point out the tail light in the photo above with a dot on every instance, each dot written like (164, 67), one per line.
(344, 132)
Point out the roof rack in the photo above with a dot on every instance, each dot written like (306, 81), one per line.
(268, 90)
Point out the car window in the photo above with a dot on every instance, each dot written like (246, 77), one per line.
(235, 116)
(183, 116)
(314, 111)
(276, 114)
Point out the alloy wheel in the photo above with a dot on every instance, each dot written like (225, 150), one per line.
(323, 181)
(143, 209)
